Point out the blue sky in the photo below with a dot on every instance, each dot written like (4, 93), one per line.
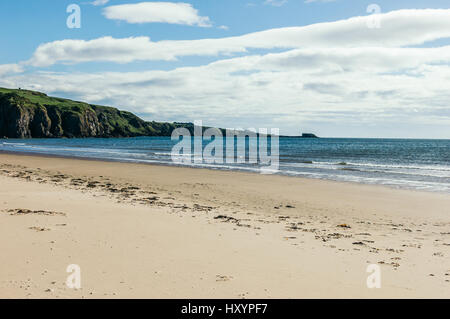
(219, 87)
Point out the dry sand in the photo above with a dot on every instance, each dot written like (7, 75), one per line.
(142, 231)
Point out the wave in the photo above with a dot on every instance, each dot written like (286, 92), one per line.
(14, 144)
(413, 166)
(414, 175)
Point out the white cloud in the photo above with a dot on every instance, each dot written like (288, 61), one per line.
(399, 29)
(341, 60)
(151, 12)
(10, 68)
(99, 2)
(102, 49)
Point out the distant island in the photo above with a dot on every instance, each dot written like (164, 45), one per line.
(309, 135)
(304, 135)
(30, 114)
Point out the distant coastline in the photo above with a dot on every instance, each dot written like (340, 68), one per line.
(31, 114)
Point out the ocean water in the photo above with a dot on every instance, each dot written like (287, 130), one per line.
(400, 163)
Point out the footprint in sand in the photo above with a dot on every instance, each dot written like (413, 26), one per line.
(39, 229)
(220, 278)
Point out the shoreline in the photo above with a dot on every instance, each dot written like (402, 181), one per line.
(150, 231)
(233, 170)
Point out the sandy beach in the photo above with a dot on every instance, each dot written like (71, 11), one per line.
(143, 231)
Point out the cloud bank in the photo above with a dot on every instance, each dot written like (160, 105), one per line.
(399, 29)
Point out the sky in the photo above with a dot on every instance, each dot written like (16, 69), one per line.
(342, 68)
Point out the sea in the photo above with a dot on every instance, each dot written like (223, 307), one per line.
(399, 163)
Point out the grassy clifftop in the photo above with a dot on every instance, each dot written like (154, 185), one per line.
(28, 114)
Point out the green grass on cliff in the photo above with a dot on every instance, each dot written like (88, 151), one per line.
(42, 99)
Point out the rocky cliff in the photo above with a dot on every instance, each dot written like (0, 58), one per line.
(29, 114)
